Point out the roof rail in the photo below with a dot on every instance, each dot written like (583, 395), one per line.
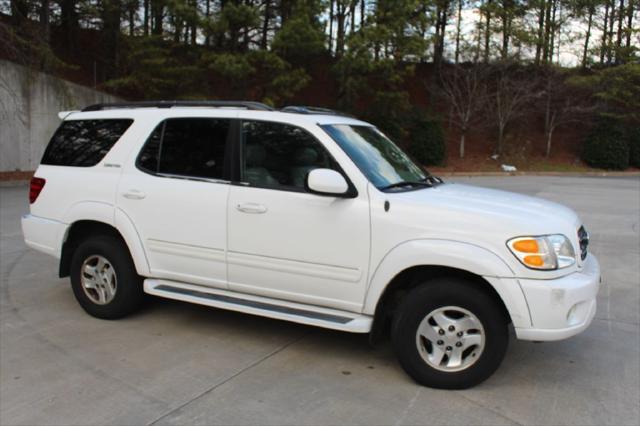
(257, 106)
(301, 109)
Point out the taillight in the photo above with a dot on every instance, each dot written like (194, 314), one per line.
(35, 188)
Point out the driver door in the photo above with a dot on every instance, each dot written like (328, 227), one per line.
(285, 242)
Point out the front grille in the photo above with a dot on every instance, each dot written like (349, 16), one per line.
(583, 238)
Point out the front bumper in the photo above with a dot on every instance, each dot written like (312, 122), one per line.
(561, 307)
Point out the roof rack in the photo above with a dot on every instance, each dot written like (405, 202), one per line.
(256, 106)
(301, 109)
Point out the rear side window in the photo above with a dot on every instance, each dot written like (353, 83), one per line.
(191, 147)
(83, 143)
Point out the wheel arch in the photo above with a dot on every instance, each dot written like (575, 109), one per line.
(82, 229)
(413, 262)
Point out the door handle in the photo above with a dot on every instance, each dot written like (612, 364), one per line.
(251, 208)
(134, 194)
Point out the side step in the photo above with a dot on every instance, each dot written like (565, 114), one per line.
(262, 306)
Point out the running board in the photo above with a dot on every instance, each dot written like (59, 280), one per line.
(262, 306)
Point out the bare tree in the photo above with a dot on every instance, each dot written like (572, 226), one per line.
(511, 91)
(562, 103)
(464, 89)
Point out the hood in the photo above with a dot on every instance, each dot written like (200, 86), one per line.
(535, 214)
(481, 216)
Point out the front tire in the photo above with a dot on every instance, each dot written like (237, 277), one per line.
(104, 278)
(449, 334)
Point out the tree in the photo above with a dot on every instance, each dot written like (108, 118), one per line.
(586, 8)
(19, 12)
(69, 25)
(541, 6)
(258, 74)
(157, 16)
(630, 10)
(44, 18)
(340, 15)
(301, 37)
(374, 66)
(111, 13)
(617, 91)
(486, 10)
(509, 94)
(465, 90)
(562, 103)
(458, 29)
(507, 10)
(443, 10)
(155, 69)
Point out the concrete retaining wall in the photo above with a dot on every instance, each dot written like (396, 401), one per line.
(29, 106)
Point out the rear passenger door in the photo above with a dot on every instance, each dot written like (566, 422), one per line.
(175, 193)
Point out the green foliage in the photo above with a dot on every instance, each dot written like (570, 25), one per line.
(299, 38)
(156, 69)
(389, 111)
(633, 140)
(231, 66)
(372, 71)
(29, 48)
(617, 89)
(256, 74)
(426, 140)
(606, 147)
(278, 80)
(267, 49)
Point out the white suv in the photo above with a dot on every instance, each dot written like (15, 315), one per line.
(308, 216)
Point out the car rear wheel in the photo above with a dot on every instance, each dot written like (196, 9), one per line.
(450, 334)
(104, 279)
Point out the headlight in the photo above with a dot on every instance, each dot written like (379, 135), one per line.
(544, 252)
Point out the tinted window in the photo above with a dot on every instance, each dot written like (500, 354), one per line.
(187, 147)
(280, 155)
(83, 143)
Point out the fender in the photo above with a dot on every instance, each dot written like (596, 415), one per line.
(106, 213)
(98, 211)
(453, 254)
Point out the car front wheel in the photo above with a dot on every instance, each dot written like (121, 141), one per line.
(450, 334)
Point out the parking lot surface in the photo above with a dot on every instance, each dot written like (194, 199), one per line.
(176, 363)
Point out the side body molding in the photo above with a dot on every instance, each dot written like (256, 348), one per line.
(453, 254)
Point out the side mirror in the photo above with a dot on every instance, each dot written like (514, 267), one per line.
(327, 182)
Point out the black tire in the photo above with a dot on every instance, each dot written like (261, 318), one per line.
(128, 292)
(426, 298)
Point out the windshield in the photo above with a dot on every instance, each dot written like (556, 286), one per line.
(381, 161)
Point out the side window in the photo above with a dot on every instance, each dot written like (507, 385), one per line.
(83, 143)
(279, 155)
(193, 147)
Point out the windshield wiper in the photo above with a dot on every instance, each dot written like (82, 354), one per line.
(422, 183)
(434, 180)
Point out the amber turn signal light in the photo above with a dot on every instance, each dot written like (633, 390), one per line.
(534, 260)
(526, 246)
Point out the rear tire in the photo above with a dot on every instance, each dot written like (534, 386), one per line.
(104, 278)
(449, 334)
